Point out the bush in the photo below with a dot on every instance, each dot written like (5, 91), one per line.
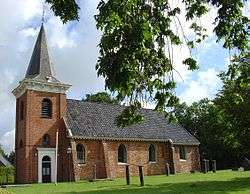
(6, 175)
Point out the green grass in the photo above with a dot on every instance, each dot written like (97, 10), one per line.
(225, 182)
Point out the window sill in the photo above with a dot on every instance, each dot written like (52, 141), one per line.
(152, 162)
(46, 117)
(183, 160)
(81, 164)
(122, 164)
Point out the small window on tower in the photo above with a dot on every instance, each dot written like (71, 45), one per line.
(21, 143)
(46, 108)
(21, 110)
(46, 140)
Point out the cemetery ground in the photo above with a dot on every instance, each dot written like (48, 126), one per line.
(221, 182)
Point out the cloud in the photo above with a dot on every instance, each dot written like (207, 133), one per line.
(8, 141)
(204, 86)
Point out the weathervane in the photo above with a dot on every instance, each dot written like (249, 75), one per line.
(43, 16)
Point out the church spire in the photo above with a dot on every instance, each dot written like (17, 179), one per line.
(40, 67)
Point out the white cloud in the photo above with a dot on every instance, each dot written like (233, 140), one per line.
(8, 141)
(205, 85)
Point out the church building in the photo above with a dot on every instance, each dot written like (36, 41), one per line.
(60, 139)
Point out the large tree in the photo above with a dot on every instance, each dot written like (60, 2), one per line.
(102, 97)
(234, 101)
(207, 123)
(136, 46)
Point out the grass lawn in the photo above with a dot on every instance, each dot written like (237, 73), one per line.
(221, 182)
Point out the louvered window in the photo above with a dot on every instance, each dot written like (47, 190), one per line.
(46, 108)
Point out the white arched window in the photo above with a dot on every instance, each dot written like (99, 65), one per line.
(80, 150)
(122, 154)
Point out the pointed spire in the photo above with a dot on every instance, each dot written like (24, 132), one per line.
(40, 66)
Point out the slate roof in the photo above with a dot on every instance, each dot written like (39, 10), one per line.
(4, 162)
(89, 120)
(40, 67)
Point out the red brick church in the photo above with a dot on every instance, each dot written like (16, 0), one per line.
(68, 140)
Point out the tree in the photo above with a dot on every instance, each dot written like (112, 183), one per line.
(234, 101)
(11, 157)
(102, 97)
(135, 48)
(207, 123)
(1, 150)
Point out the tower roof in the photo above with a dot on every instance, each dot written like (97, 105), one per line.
(40, 67)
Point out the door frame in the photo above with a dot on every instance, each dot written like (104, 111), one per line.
(51, 152)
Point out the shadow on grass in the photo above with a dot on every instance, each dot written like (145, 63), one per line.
(201, 187)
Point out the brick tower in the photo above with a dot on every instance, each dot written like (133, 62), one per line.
(40, 107)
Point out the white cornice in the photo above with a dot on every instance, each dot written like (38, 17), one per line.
(28, 84)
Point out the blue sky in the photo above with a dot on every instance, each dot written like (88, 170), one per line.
(74, 52)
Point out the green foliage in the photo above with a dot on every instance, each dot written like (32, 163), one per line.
(130, 115)
(66, 10)
(135, 49)
(102, 97)
(1, 150)
(222, 125)
(6, 175)
(205, 121)
(234, 101)
(11, 157)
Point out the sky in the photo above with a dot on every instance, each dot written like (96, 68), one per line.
(74, 51)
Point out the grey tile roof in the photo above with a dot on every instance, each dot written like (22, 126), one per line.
(4, 161)
(90, 120)
(40, 67)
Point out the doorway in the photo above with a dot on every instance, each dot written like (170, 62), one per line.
(46, 169)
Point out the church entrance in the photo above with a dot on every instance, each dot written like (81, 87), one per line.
(46, 165)
(46, 169)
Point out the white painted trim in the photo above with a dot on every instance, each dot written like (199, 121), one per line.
(51, 152)
(28, 84)
(122, 163)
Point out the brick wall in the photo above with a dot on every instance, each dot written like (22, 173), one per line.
(192, 162)
(32, 129)
(137, 154)
(103, 154)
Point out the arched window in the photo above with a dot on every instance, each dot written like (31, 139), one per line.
(122, 154)
(21, 143)
(21, 110)
(80, 150)
(152, 154)
(183, 155)
(46, 140)
(46, 108)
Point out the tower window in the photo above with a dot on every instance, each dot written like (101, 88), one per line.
(21, 110)
(122, 154)
(21, 143)
(46, 140)
(80, 150)
(183, 155)
(151, 152)
(46, 108)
